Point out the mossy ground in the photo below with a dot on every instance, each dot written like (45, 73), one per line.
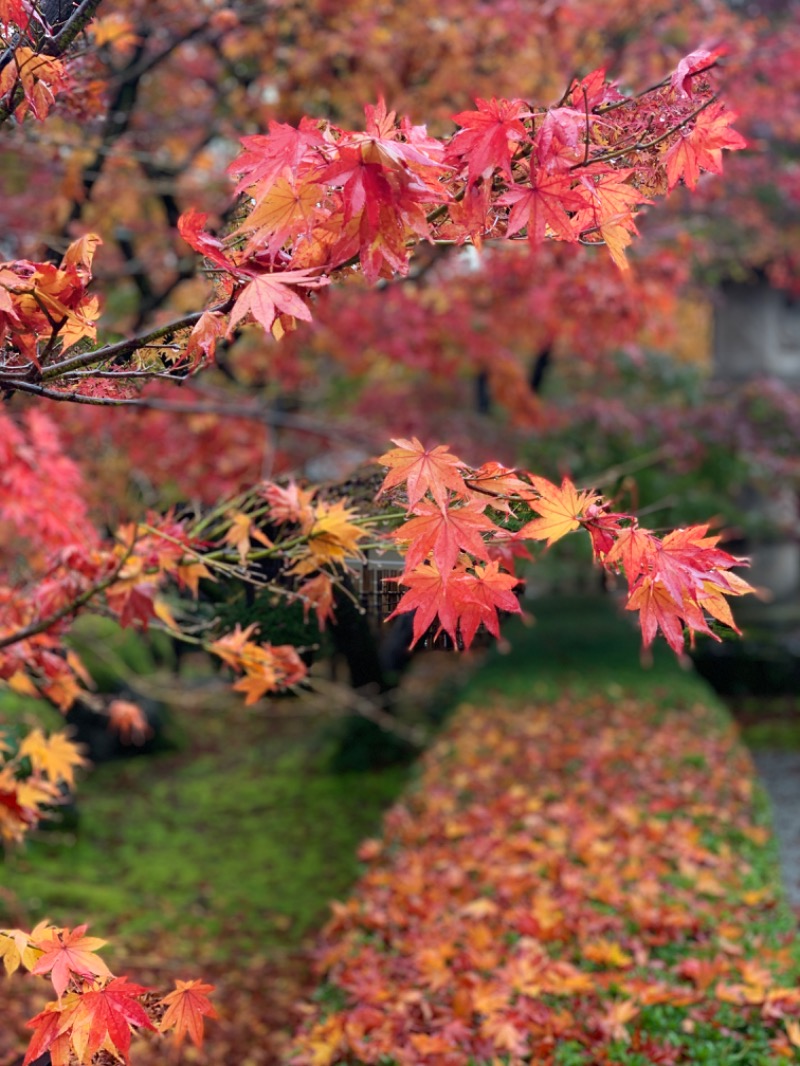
(240, 839)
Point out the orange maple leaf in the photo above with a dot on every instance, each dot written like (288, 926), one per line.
(433, 470)
(560, 510)
(186, 1007)
(65, 953)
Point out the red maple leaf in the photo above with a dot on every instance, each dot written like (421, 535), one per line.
(594, 91)
(689, 66)
(186, 1007)
(433, 470)
(445, 532)
(267, 295)
(203, 339)
(658, 609)
(106, 1015)
(453, 600)
(191, 226)
(489, 137)
(51, 1033)
(429, 597)
(633, 549)
(545, 202)
(266, 157)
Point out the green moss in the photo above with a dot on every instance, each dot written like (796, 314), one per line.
(228, 849)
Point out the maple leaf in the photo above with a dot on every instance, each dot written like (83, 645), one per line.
(186, 1007)
(445, 533)
(288, 208)
(66, 953)
(41, 78)
(333, 537)
(16, 950)
(689, 66)
(265, 296)
(699, 147)
(129, 722)
(561, 509)
(202, 343)
(80, 253)
(289, 504)
(317, 593)
(230, 647)
(433, 470)
(485, 592)
(55, 756)
(545, 202)
(52, 1032)
(402, 148)
(239, 533)
(495, 480)
(104, 1016)
(268, 156)
(632, 550)
(188, 574)
(658, 609)
(429, 597)
(593, 91)
(489, 137)
(269, 668)
(191, 226)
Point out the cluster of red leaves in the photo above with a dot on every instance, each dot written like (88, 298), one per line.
(96, 1011)
(321, 197)
(459, 535)
(559, 872)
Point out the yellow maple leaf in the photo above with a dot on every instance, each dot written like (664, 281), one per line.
(560, 510)
(240, 533)
(333, 538)
(189, 574)
(16, 950)
(55, 756)
(607, 953)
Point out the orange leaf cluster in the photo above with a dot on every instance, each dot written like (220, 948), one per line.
(560, 875)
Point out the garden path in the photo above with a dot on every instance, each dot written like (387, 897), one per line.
(780, 773)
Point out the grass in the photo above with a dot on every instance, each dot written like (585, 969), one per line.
(586, 645)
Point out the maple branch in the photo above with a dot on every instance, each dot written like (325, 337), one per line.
(125, 347)
(35, 628)
(644, 146)
(77, 21)
(279, 419)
